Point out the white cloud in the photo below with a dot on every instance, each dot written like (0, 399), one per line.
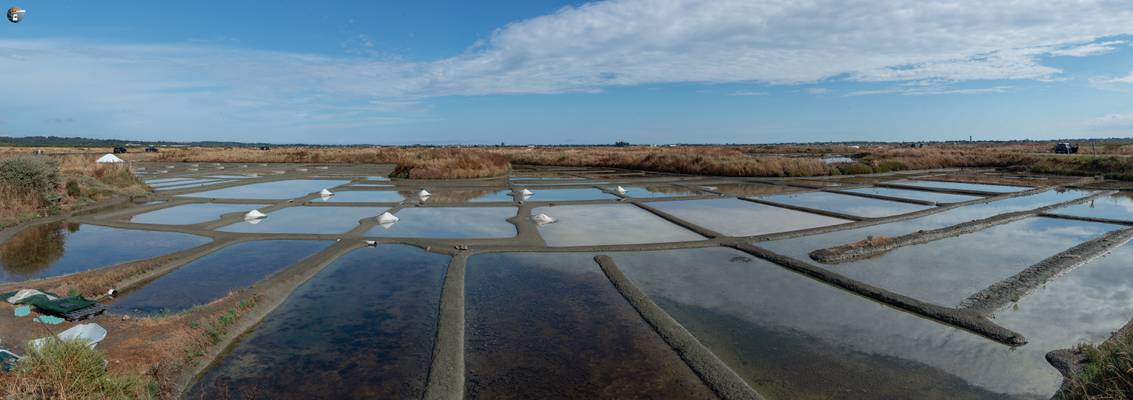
(1088, 49)
(1124, 79)
(930, 89)
(747, 93)
(131, 87)
(1112, 123)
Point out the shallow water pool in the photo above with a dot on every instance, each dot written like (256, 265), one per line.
(935, 197)
(982, 187)
(734, 217)
(361, 328)
(188, 214)
(62, 248)
(1117, 206)
(845, 204)
(544, 325)
(947, 271)
(598, 224)
(450, 222)
(792, 337)
(277, 190)
(307, 219)
(215, 275)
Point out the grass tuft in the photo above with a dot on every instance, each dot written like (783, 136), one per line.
(1108, 373)
(71, 370)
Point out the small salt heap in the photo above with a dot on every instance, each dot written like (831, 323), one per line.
(387, 220)
(325, 193)
(620, 190)
(543, 219)
(423, 195)
(254, 215)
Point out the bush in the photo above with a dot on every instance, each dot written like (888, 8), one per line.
(30, 173)
(855, 169)
(71, 370)
(73, 189)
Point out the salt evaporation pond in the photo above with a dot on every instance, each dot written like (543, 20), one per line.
(361, 328)
(62, 248)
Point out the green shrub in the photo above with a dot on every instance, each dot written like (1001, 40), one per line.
(71, 370)
(855, 169)
(73, 189)
(1108, 373)
(30, 173)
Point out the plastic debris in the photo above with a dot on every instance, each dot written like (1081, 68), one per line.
(543, 219)
(90, 333)
(49, 320)
(254, 215)
(8, 360)
(26, 293)
(109, 159)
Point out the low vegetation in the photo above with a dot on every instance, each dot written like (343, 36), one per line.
(71, 370)
(411, 163)
(1108, 373)
(34, 186)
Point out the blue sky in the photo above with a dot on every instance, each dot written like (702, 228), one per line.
(541, 71)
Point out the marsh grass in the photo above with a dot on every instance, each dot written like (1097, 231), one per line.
(71, 370)
(35, 186)
(411, 163)
(1108, 373)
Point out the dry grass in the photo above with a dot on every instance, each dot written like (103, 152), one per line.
(411, 163)
(80, 182)
(71, 370)
(722, 161)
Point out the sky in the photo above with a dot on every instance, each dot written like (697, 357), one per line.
(559, 72)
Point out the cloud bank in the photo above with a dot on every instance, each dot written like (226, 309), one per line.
(138, 87)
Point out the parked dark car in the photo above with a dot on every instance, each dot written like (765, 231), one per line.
(265, 148)
(119, 149)
(1066, 148)
(151, 149)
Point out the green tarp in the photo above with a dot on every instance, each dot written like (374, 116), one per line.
(60, 306)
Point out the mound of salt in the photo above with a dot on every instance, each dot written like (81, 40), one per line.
(254, 215)
(543, 219)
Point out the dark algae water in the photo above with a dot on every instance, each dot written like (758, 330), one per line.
(551, 326)
(215, 275)
(362, 328)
